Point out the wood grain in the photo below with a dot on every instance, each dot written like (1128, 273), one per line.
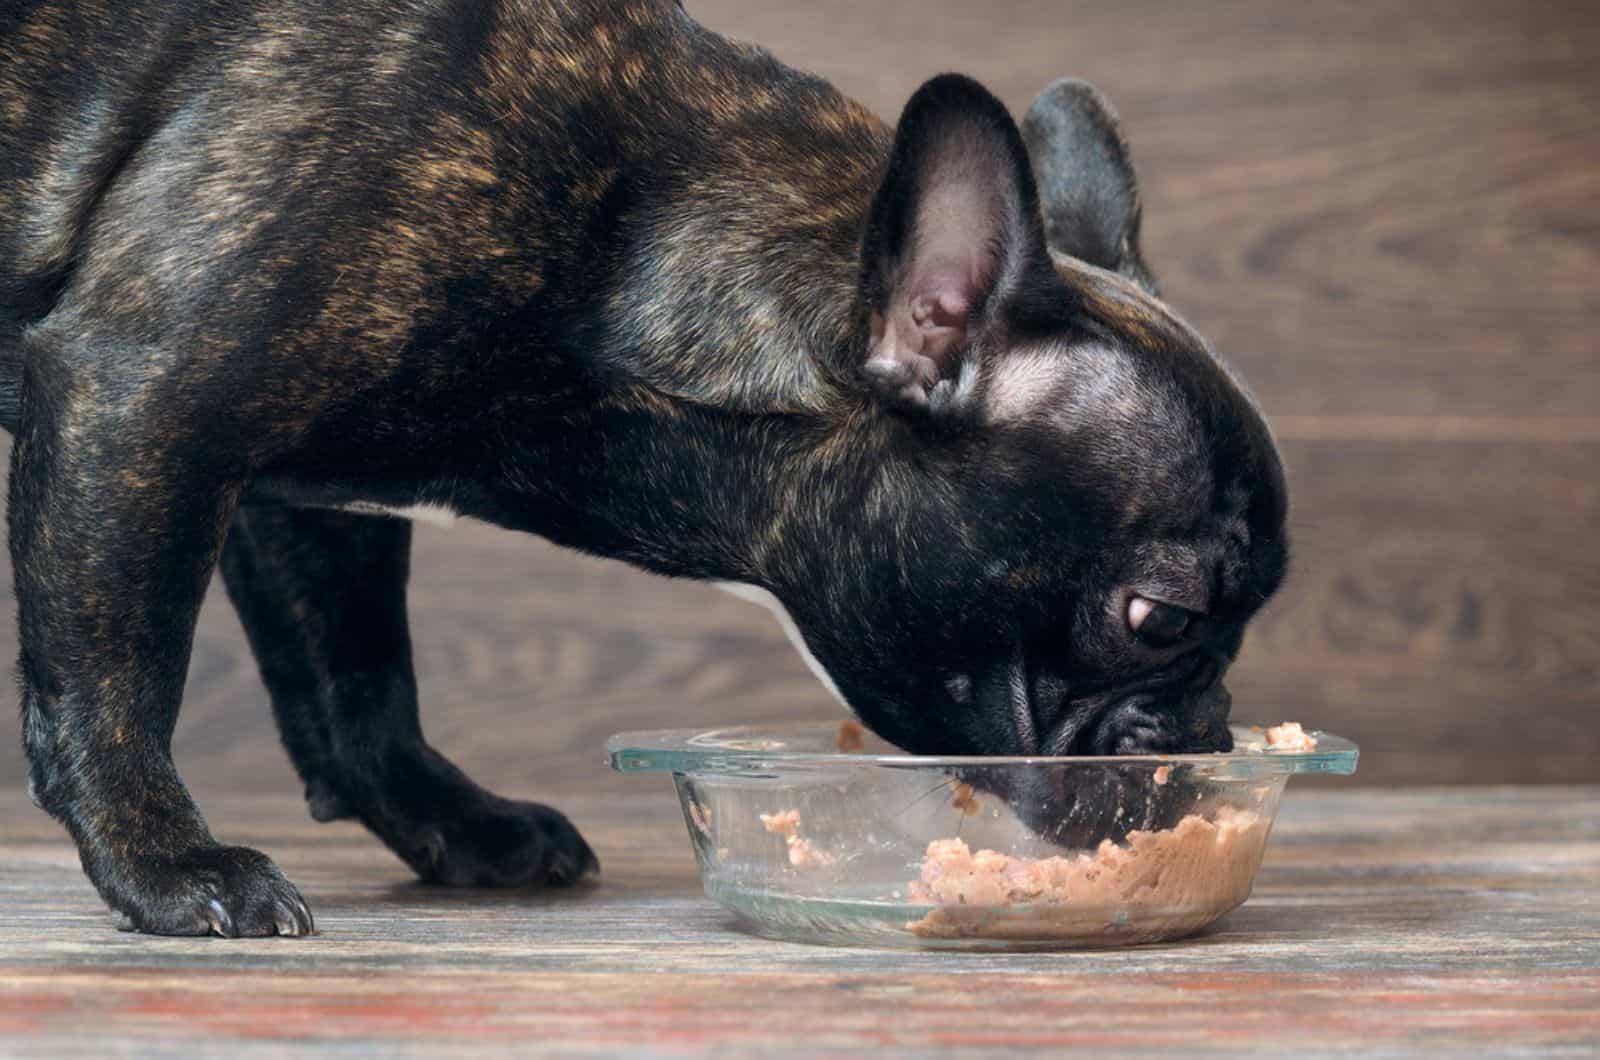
(1443, 607)
(1368, 209)
(1443, 611)
(1407, 922)
(1384, 215)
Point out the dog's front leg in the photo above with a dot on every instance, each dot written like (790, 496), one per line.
(322, 595)
(116, 519)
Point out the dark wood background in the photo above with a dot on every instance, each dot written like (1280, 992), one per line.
(1387, 215)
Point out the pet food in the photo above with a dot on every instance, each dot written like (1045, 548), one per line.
(1202, 866)
(803, 854)
(1290, 737)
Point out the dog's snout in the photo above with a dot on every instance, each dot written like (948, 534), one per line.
(1003, 694)
(1210, 719)
(1206, 672)
(1048, 703)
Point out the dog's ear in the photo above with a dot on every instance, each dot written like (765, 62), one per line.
(1087, 189)
(954, 233)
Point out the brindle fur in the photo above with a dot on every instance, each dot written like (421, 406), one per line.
(583, 269)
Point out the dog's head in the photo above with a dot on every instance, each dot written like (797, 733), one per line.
(1072, 508)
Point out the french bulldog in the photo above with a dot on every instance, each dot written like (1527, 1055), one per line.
(275, 274)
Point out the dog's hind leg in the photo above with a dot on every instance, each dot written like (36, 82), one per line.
(322, 595)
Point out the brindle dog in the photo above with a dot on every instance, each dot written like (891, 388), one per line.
(272, 268)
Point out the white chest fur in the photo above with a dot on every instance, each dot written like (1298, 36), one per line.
(439, 515)
(761, 596)
(432, 514)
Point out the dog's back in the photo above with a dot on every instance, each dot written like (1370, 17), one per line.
(336, 174)
(80, 85)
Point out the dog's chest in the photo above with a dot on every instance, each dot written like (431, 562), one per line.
(756, 595)
(430, 513)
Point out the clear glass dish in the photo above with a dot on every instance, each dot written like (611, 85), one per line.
(823, 833)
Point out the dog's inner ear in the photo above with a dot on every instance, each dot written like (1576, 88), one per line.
(954, 230)
(1087, 189)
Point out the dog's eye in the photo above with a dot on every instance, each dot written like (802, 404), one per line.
(1157, 624)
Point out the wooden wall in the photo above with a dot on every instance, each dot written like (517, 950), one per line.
(1387, 215)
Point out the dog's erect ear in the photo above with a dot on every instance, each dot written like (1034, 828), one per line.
(1087, 189)
(954, 232)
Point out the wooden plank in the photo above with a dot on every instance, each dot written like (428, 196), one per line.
(1443, 610)
(1368, 211)
(1384, 217)
(1405, 921)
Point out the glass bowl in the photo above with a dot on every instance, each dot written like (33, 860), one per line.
(823, 833)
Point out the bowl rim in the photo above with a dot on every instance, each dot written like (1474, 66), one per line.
(718, 750)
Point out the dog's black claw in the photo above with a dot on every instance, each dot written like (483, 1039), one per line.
(232, 892)
(220, 920)
(589, 866)
(293, 919)
(571, 865)
(430, 851)
(588, 863)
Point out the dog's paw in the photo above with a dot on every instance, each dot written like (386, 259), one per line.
(234, 892)
(494, 842)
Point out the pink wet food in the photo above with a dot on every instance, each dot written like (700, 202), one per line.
(785, 823)
(803, 854)
(1290, 737)
(1177, 879)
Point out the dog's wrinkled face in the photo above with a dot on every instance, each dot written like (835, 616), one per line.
(1080, 509)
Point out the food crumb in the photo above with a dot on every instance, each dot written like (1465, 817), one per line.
(722, 853)
(965, 801)
(1290, 737)
(755, 745)
(786, 823)
(850, 737)
(1163, 774)
(701, 816)
(803, 854)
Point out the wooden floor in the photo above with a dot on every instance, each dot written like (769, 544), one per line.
(1397, 922)
(1386, 216)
